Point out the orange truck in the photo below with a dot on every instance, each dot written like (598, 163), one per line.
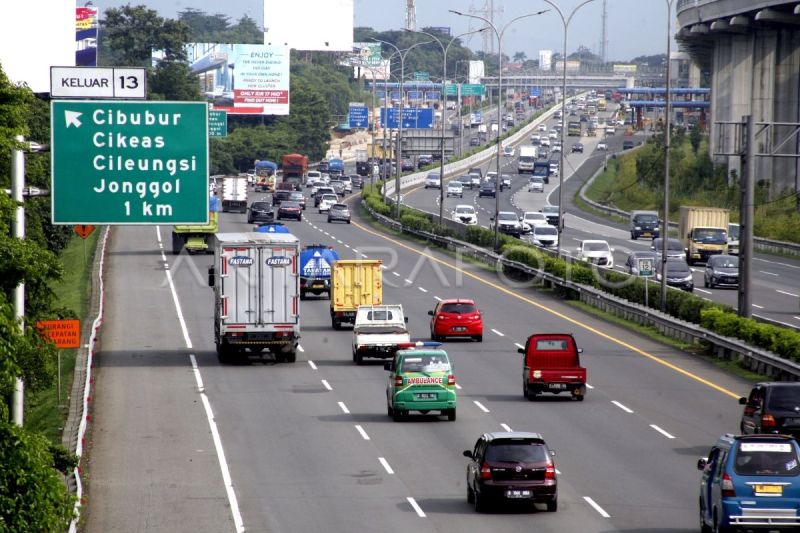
(551, 363)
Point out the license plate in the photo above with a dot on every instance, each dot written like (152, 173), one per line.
(459, 328)
(769, 489)
(559, 386)
(513, 494)
(318, 285)
(647, 234)
(425, 396)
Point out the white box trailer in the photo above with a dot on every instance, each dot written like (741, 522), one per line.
(256, 281)
(234, 194)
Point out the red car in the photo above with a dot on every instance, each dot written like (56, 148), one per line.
(456, 318)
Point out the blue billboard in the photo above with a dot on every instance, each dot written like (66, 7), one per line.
(358, 117)
(535, 91)
(413, 118)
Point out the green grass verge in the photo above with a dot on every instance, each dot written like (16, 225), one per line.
(46, 411)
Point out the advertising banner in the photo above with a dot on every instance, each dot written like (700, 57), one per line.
(86, 36)
(324, 25)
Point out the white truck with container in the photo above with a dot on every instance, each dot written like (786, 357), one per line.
(378, 330)
(527, 157)
(234, 194)
(703, 231)
(256, 284)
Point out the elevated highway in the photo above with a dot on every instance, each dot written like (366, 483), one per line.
(752, 49)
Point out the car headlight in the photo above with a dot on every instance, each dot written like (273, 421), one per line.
(658, 275)
(688, 278)
(637, 228)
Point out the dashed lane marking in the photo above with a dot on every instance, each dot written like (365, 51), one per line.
(480, 406)
(362, 432)
(326, 384)
(386, 466)
(344, 408)
(662, 431)
(626, 409)
(416, 507)
(596, 507)
(311, 364)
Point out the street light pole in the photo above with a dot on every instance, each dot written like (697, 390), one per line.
(499, 35)
(565, 21)
(399, 154)
(665, 223)
(445, 49)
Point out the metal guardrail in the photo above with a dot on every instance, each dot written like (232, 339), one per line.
(768, 245)
(756, 359)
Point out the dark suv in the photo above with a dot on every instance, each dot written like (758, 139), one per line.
(772, 408)
(511, 466)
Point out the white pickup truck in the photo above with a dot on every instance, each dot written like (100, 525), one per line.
(378, 330)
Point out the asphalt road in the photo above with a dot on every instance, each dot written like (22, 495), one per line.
(775, 278)
(181, 443)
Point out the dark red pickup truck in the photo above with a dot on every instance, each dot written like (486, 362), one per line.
(551, 363)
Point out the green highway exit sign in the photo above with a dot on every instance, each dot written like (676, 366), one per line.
(115, 162)
(217, 123)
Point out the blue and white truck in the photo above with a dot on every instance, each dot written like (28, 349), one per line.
(316, 261)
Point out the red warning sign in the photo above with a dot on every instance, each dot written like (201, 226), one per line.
(64, 333)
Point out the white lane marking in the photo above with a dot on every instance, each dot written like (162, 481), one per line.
(480, 406)
(796, 317)
(438, 299)
(362, 432)
(589, 386)
(383, 267)
(344, 408)
(416, 507)
(326, 384)
(326, 233)
(776, 321)
(300, 348)
(408, 281)
(386, 466)
(768, 273)
(662, 431)
(320, 229)
(396, 274)
(423, 289)
(215, 437)
(597, 508)
(311, 364)
(505, 427)
(703, 290)
(776, 263)
(758, 306)
(627, 410)
(364, 255)
(707, 299)
(793, 295)
(518, 345)
(347, 246)
(340, 242)
(458, 386)
(498, 333)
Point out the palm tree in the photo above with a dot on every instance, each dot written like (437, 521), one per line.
(520, 57)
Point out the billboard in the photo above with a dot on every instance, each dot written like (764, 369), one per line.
(545, 59)
(325, 25)
(476, 72)
(34, 38)
(573, 65)
(86, 21)
(242, 79)
(624, 70)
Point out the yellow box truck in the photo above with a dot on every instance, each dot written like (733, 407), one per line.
(354, 282)
(703, 232)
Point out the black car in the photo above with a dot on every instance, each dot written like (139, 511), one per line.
(679, 275)
(406, 164)
(339, 212)
(577, 147)
(260, 212)
(289, 209)
(323, 166)
(423, 160)
(488, 188)
(551, 214)
(466, 181)
(299, 198)
(721, 270)
(511, 466)
(280, 196)
(632, 263)
(474, 141)
(320, 192)
(772, 407)
(627, 145)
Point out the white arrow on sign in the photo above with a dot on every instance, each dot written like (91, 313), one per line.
(73, 118)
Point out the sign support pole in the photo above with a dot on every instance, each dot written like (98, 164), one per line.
(17, 186)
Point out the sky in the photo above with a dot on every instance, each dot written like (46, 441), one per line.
(634, 27)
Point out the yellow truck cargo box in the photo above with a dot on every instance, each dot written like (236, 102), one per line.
(354, 282)
(703, 231)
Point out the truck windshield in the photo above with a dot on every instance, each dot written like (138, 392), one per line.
(711, 235)
(645, 219)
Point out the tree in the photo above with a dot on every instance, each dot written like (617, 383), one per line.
(520, 57)
(131, 34)
(173, 80)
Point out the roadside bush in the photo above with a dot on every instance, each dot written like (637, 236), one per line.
(416, 222)
(781, 341)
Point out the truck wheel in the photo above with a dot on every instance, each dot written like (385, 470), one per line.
(389, 410)
(335, 324)
(225, 354)
(290, 356)
(177, 243)
(359, 359)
